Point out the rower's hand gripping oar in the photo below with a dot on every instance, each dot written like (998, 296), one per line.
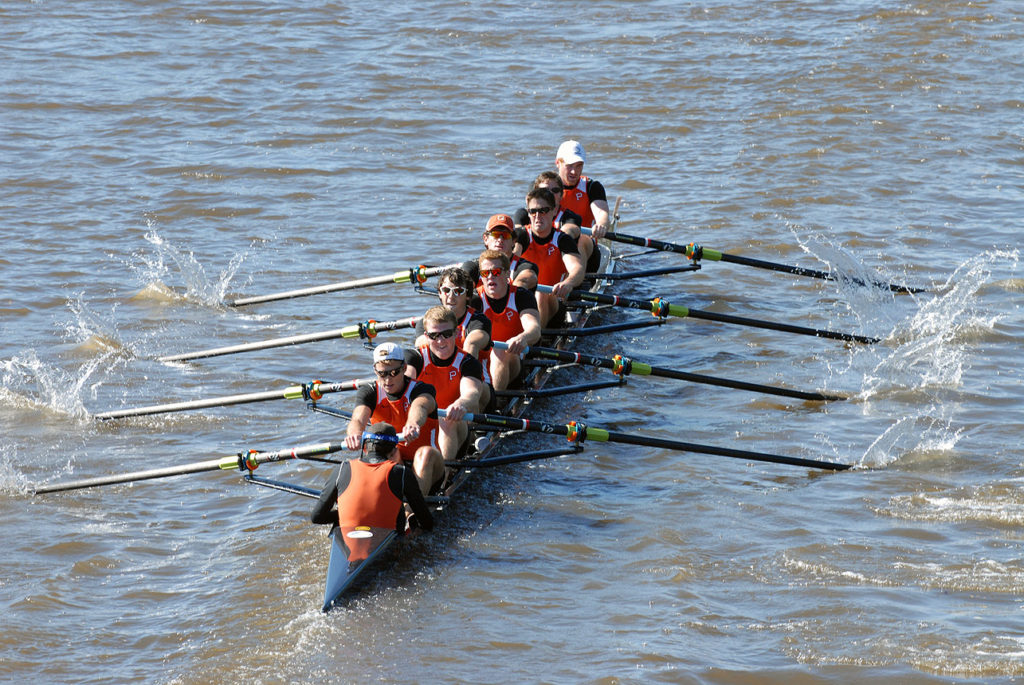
(417, 274)
(576, 432)
(696, 252)
(623, 366)
(661, 308)
(248, 460)
(311, 391)
(366, 330)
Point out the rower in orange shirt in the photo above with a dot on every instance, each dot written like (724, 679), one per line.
(400, 401)
(457, 377)
(554, 252)
(513, 315)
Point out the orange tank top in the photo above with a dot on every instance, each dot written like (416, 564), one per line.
(396, 412)
(368, 501)
(445, 379)
(547, 257)
(504, 324)
(578, 200)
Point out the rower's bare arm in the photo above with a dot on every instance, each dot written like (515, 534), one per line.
(527, 279)
(576, 272)
(599, 208)
(530, 318)
(419, 410)
(476, 342)
(356, 426)
(470, 390)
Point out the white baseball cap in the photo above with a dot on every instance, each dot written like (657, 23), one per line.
(570, 152)
(388, 351)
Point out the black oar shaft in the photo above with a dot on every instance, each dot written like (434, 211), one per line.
(625, 366)
(659, 307)
(245, 460)
(696, 252)
(578, 433)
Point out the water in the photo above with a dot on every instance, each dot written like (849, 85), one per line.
(162, 159)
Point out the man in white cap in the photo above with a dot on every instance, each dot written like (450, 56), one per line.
(581, 194)
(404, 403)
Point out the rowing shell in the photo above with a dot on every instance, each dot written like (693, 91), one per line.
(355, 551)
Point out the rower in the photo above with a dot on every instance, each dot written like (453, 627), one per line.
(582, 195)
(499, 235)
(400, 401)
(554, 252)
(371, 490)
(456, 291)
(457, 377)
(513, 315)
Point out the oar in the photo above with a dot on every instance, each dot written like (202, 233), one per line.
(418, 274)
(623, 366)
(696, 253)
(367, 329)
(577, 432)
(311, 391)
(244, 461)
(662, 308)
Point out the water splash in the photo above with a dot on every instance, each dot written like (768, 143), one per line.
(167, 262)
(92, 332)
(28, 382)
(934, 342)
(924, 361)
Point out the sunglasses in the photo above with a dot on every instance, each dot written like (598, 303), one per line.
(498, 234)
(446, 334)
(553, 189)
(451, 290)
(389, 373)
(539, 210)
(497, 271)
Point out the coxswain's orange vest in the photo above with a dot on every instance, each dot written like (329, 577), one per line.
(504, 324)
(368, 501)
(578, 200)
(547, 257)
(445, 379)
(396, 412)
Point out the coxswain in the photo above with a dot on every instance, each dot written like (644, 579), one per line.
(400, 401)
(513, 315)
(457, 377)
(500, 235)
(371, 490)
(554, 252)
